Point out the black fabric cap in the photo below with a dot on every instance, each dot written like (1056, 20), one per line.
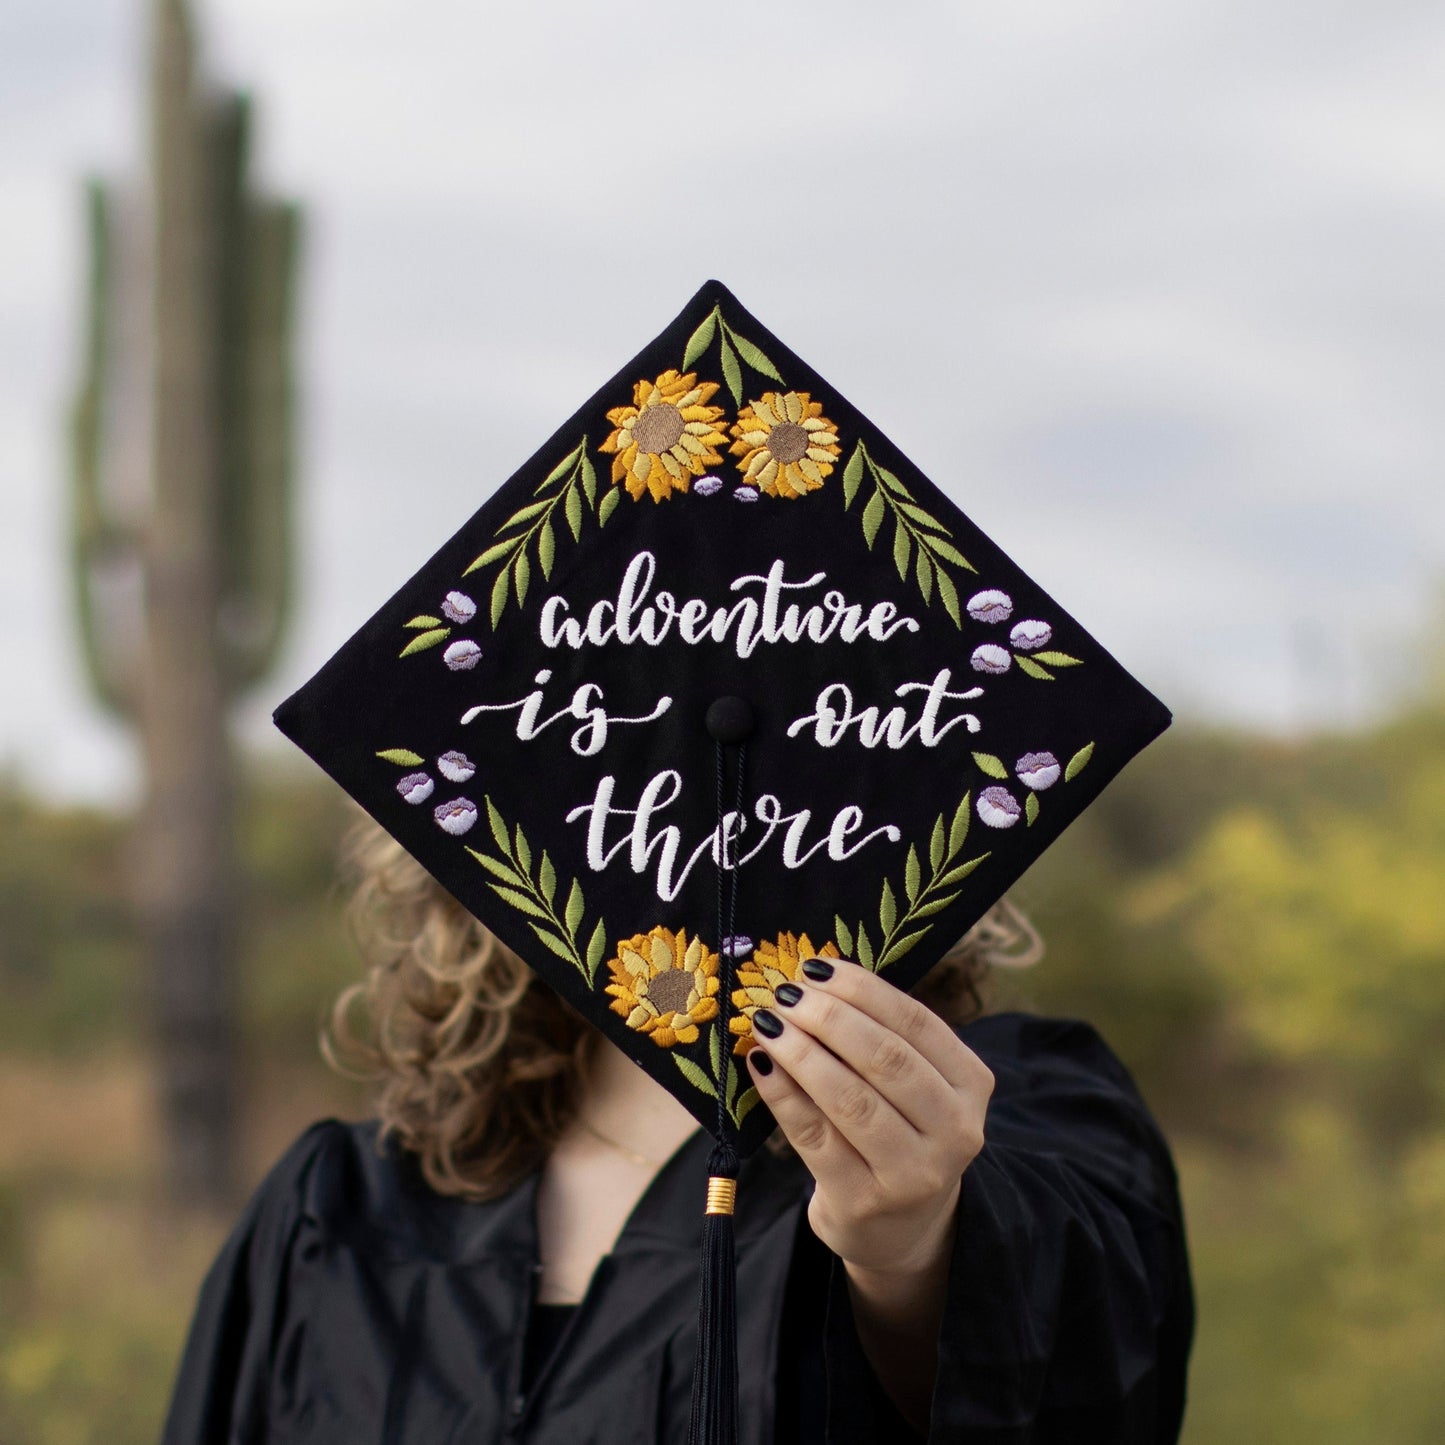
(718, 588)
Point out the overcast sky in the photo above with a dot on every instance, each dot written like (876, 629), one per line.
(1154, 292)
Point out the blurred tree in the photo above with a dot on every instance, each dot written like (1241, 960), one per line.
(182, 445)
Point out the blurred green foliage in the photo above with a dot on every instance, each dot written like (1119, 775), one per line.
(1256, 926)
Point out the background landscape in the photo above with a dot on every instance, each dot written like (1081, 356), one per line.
(1155, 296)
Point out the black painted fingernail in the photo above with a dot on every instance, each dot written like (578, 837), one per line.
(787, 994)
(761, 1063)
(817, 970)
(767, 1023)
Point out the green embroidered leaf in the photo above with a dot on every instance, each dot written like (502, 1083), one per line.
(958, 830)
(695, 1076)
(957, 875)
(714, 1051)
(560, 470)
(865, 948)
(499, 593)
(589, 478)
(499, 828)
(499, 869)
(423, 621)
(934, 905)
(553, 942)
(1078, 762)
(547, 546)
(873, 516)
(402, 757)
(950, 553)
(573, 509)
(1031, 669)
(926, 519)
(1057, 659)
(902, 549)
(936, 844)
(596, 949)
(424, 640)
(753, 356)
(887, 909)
(573, 916)
(1031, 808)
(525, 514)
(852, 475)
(991, 765)
(700, 339)
(949, 595)
(894, 485)
(497, 549)
(608, 504)
(912, 874)
(522, 853)
(732, 1085)
(547, 881)
(732, 372)
(523, 902)
(902, 946)
(924, 573)
(522, 570)
(749, 1097)
(843, 934)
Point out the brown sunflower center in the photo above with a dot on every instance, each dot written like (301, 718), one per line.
(788, 442)
(658, 428)
(669, 990)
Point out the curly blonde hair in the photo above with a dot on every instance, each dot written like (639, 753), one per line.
(478, 1064)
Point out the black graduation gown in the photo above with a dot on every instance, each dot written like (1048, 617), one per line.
(353, 1305)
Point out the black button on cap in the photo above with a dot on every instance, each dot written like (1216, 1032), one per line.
(731, 720)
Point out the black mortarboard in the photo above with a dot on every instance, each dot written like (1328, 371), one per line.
(718, 592)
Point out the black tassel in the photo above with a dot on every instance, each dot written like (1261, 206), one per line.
(715, 1371)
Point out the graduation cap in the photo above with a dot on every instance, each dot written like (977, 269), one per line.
(716, 681)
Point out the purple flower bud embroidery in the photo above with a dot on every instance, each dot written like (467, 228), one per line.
(1038, 771)
(990, 657)
(998, 808)
(707, 486)
(990, 606)
(1026, 636)
(456, 767)
(745, 493)
(462, 656)
(455, 817)
(735, 945)
(459, 607)
(415, 787)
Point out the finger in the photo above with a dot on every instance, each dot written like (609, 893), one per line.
(851, 1105)
(878, 1055)
(915, 1023)
(830, 1158)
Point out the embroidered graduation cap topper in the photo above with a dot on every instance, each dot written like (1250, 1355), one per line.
(716, 681)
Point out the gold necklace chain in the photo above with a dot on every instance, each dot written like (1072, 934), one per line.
(622, 1149)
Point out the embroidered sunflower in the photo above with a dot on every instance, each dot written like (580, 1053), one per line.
(785, 443)
(664, 985)
(666, 437)
(771, 965)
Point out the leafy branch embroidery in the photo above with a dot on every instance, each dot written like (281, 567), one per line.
(513, 880)
(535, 523)
(732, 347)
(918, 536)
(898, 931)
(724, 1068)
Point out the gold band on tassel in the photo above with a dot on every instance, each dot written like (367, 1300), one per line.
(722, 1194)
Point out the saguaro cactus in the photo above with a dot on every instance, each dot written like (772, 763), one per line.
(182, 447)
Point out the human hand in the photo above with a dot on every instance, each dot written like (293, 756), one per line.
(884, 1104)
